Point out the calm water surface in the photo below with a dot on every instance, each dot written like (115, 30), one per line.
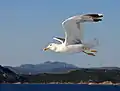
(57, 87)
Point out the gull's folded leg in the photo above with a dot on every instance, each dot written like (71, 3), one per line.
(88, 52)
(93, 50)
(92, 54)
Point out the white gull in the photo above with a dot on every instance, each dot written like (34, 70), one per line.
(73, 41)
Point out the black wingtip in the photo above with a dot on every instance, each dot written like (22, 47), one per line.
(95, 15)
(97, 20)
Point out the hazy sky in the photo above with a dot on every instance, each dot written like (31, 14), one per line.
(27, 26)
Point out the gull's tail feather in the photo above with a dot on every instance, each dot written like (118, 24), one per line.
(92, 43)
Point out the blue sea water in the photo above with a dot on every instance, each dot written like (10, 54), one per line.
(57, 87)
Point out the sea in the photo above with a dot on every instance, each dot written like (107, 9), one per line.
(58, 87)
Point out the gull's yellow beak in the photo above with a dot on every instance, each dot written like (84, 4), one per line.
(45, 49)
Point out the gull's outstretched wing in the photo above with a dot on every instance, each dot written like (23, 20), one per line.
(72, 27)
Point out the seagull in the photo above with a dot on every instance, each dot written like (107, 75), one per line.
(73, 41)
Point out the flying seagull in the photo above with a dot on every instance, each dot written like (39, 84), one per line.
(73, 41)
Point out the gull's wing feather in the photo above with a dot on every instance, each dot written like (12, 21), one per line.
(73, 27)
(61, 40)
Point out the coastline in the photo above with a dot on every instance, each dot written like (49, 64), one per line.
(85, 83)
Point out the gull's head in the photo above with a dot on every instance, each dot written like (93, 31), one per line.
(51, 46)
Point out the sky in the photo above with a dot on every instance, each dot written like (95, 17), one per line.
(27, 26)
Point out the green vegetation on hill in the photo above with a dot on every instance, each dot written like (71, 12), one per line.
(85, 75)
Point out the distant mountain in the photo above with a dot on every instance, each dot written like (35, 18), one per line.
(46, 67)
(50, 67)
(73, 73)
